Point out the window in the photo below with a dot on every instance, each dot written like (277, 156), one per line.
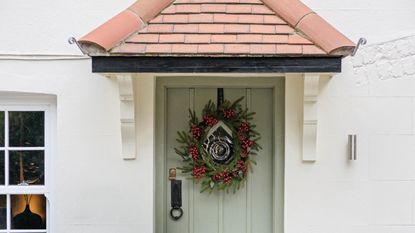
(24, 181)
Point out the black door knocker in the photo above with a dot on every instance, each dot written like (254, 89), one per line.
(176, 211)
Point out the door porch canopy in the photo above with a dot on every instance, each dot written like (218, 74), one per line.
(244, 36)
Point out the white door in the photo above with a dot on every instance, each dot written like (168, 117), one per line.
(252, 209)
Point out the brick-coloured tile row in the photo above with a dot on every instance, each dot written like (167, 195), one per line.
(218, 8)
(219, 1)
(219, 28)
(218, 38)
(219, 18)
(219, 49)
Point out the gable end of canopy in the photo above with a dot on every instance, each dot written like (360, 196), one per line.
(217, 28)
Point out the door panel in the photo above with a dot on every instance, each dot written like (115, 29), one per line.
(262, 177)
(176, 119)
(250, 209)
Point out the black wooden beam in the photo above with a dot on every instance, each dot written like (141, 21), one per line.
(114, 64)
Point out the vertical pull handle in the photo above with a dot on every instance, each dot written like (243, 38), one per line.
(352, 147)
(176, 211)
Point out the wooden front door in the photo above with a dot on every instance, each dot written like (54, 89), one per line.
(255, 208)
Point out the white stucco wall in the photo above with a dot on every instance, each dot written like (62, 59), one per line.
(97, 191)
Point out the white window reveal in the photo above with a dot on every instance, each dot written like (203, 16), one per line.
(24, 180)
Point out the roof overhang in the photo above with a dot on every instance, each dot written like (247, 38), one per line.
(157, 64)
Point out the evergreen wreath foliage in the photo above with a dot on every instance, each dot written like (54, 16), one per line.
(198, 162)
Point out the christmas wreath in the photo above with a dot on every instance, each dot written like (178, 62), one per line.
(217, 150)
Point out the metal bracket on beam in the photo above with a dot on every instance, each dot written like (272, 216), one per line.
(310, 120)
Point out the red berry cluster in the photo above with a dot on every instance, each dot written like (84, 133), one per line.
(229, 113)
(225, 176)
(194, 152)
(196, 131)
(241, 166)
(210, 120)
(244, 128)
(199, 172)
(246, 144)
(227, 179)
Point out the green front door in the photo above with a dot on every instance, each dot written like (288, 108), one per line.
(252, 209)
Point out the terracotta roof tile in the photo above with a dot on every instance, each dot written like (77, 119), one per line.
(213, 8)
(158, 19)
(160, 28)
(264, 29)
(188, 8)
(223, 38)
(197, 38)
(171, 38)
(211, 28)
(251, 1)
(170, 10)
(177, 18)
(191, 28)
(211, 48)
(284, 29)
(201, 18)
(263, 49)
(273, 19)
(158, 48)
(202, 27)
(262, 9)
(278, 39)
(144, 38)
(237, 48)
(297, 39)
(220, 28)
(226, 18)
(251, 19)
(289, 49)
(184, 48)
(129, 48)
(249, 38)
(238, 8)
(312, 49)
(237, 28)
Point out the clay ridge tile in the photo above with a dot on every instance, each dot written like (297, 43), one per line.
(224, 17)
(124, 24)
(113, 31)
(312, 25)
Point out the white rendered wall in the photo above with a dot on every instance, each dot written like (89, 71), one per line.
(374, 97)
(42, 27)
(95, 189)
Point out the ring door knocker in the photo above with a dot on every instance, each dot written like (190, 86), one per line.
(176, 211)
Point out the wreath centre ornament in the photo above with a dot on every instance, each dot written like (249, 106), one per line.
(219, 143)
(217, 149)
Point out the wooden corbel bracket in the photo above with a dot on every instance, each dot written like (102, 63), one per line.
(127, 116)
(310, 120)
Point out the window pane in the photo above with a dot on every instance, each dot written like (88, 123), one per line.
(26, 167)
(26, 129)
(3, 212)
(2, 129)
(2, 168)
(28, 211)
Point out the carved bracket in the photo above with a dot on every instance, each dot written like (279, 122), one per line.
(127, 116)
(310, 122)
